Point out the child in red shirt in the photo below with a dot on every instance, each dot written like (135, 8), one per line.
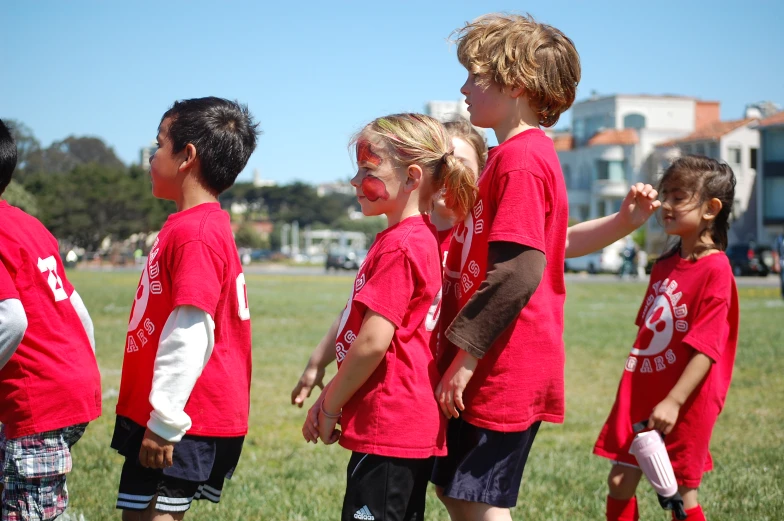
(471, 148)
(680, 366)
(182, 413)
(384, 340)
(49, 380)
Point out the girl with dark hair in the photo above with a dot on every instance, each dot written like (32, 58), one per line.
(680, 366)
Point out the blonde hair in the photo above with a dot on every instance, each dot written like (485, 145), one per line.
(460, 128)
(516, 51)
(416, 139)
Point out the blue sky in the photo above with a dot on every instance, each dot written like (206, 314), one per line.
(314, 72)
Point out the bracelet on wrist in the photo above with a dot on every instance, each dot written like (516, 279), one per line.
(328, 415)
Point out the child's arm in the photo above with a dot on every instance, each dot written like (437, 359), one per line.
(13, 324)
(84, 317)
(514, 272)
(665, 414)
(590, 236)
(185, 347)
(366, 353)
(320, 358)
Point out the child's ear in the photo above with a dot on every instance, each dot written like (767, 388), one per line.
(414, 177)
(189, 158)
(516, 92)
(712, 209)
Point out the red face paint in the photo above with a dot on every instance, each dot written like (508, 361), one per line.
(365, 154)
(374, 189)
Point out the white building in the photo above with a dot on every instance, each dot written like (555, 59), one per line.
(770, 181)
(735, 143)
(258, 182)
(612, 141)
(335, 188)
(145, 153)
(445, 111)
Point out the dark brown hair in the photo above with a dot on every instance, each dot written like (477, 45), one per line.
(705, 179)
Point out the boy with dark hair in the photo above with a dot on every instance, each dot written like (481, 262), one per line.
(504, 292)
(182, 413)
(49, 380)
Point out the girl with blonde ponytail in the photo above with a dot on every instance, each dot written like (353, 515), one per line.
(384, 339)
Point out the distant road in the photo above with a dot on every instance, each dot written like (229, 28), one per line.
(578, 278)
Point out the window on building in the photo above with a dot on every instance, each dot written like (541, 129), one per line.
(773, 205)
(774, 145)
(567, 173)
(686, 149)
(713, 151)
(753, 158)
(699, 149)
(635, 121)
(579, 132)
(733, 155)
(585, 177)
(610, 170)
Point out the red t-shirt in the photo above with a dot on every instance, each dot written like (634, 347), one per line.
(194, 262)
(395, 412)
(52, 379)
(688, 306)
(522, 199)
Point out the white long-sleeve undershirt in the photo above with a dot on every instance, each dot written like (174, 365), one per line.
(84, 317)
(13, 324)
(187, 340)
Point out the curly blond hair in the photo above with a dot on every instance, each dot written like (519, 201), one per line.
(517, 51)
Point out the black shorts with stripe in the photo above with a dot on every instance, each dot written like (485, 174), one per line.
(200, 466)
(382, 488)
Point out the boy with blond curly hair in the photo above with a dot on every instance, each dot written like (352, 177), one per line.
(502, 308)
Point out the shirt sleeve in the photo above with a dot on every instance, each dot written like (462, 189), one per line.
(197, 276)
(522, 208)
(514, 272)
(390, 287)
(709, 331)
(13, 324)
(84, 317)
(187, 340)
(7, 286)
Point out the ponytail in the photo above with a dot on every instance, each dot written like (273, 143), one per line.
(459, 183)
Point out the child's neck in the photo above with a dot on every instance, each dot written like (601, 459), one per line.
(411, 208)
(693, 246)
(520, 119)
(193, 194)
(441, 222)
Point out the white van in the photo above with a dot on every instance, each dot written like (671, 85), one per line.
(606, 260)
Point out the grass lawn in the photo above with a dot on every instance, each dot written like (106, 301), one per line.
(280, 477)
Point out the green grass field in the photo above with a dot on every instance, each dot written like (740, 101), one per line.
(280, 477)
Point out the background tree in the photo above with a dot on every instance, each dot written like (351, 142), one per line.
(16, 195)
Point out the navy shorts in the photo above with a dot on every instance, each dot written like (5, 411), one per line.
(200, 465)
(382, 488)
(483, 466)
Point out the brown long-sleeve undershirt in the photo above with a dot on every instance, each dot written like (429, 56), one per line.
(514, 271)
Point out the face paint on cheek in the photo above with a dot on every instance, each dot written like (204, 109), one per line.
(374, 189)
(366, 155)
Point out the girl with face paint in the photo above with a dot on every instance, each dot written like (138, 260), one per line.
(384, 340)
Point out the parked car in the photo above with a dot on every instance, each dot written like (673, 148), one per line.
(606, 260)
(346, 259)
(748, 258)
